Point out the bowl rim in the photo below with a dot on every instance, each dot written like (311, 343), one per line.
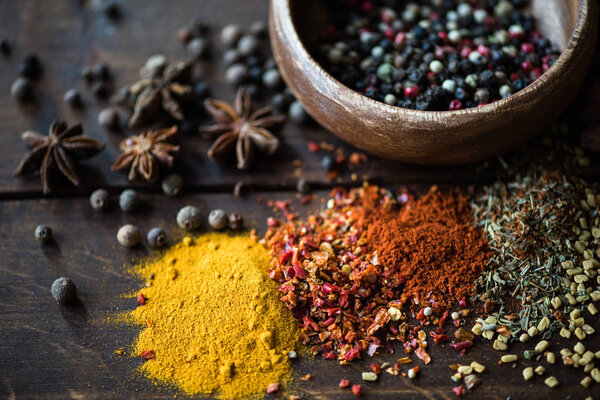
(554, 72)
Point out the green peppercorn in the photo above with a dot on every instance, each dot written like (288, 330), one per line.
(128, 235)
(189, 218)
(235, 221)
(172, 185)
(129, 200)
(64, 290)
(218, 219)
(157, 238)
(100, 199)
(43, 233)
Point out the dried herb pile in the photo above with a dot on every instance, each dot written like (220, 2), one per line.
(348, 271)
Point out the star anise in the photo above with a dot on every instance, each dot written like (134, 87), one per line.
(160, 90)
(59, 150)
(141, 154)
(241, 128)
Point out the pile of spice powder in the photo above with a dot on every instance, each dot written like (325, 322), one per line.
(348, 271)
(433, 54)
(213, 321)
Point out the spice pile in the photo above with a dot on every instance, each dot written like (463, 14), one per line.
(435, 54)
(348, 271)
(213, 322)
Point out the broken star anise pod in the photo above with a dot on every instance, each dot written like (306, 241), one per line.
(141, 154)
(240, 128)
(160, 90)
(57, 151)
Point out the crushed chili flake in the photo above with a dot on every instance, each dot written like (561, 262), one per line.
(376, 368)
(305, 377)
(272, 388)
(141, 300)
(344, 383)
(357, 390)
(147, 354)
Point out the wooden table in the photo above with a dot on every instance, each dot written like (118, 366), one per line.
(51, 352)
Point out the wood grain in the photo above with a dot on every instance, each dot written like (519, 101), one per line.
(47, 351)
(427, 137)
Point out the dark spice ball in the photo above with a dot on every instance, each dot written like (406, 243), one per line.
(87, 75)
(302, 186)
(157, 238)
(297, 112)
(73, 98)
(218, 219)
(31, 67)
(197, 48)
(112, 10)
(235, 221)
(189, 218)
(5, 47)
(101, 72)
(172, 184)
(128, 235)
(129, 200)
(328, 163)
(43, 233)
(101, 90)
(21, 90)
(109, 118)
(64, 290)
(100, 199)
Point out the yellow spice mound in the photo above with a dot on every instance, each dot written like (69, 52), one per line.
(214, 319)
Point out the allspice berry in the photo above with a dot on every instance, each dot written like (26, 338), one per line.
(128, 235)
(43, 233)
(64, 290)
(172, 185)
(100, 199)
(218, 219)
(235, 221)
(189, 218)
(129, 200)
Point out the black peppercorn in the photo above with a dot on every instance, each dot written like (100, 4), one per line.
(101, 72)
(31, 67)
(73, 98)
(157, 238)
(328, 163)
(235, 221)
(43, 233)
(64, 290)
(5, 47)
(22, 90)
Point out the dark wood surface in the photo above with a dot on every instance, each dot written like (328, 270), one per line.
(51, 352)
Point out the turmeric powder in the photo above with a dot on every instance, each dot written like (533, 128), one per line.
(217, 324)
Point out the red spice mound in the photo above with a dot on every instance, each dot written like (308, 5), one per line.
(346, 271)
(433, 244)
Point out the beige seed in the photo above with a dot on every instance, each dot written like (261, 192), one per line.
(567, 264)
(551, 382)
(564, 332)
(588, 329)
(528, 373)
(579, 348)
(540, 370)
(499, 346)
(541, 346)
(566, 353)
(588, 355)
(479, 368)
(532, 331)
(595, 374)
(588, 367)
(556, 302)
(576, 358)
(465, 369)
(574, 271)
(598, 354)
(591, 200)
(571, 299)
(543, 324)
(509, 358)
(551, 358)
(523, 338)
(579, 322)
(477, 329)
(581, 278)
(596, 233)
(592, 309)
(489, 335)
(575, 314)
(586, 382)
(580, 334)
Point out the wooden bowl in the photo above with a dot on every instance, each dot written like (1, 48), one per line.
(428, 137)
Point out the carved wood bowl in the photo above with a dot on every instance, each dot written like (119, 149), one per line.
(427, 137)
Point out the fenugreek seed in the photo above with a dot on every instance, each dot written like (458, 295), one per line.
(551, 358)
(591, 200)
(574, 271)
(575, 314)
(556, 302)
(532, 331)
(477, 367)
(491, 320)
(571, 299)
(489, 335)
(523, 338)
(596, 233)
(566, 353)
(540, 370)
(477, 329)
(586, 382)
(465, 369)
(589, 355)
(528, 373)
(581, 278)
(541, 346)
(588, 367)
(551, 382)
(580, 334)
(588, 255)
(579, 247)
(543, 324)
(567, 264)
(576, 358)
(588, 329)
(369, 376)
(579, 348)
(595, 374)
(592, 309)
(509, 358)
(499, 346)
(591, 264)
(583, 361)
(564, 332)
(597, 354)
(578, 322)
(585, 236)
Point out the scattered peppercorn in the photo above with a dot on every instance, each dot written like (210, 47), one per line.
(189, 218)
(197, 48)
(43, 233)
(157, 237)
(31, 67)
(129, 200)
(230, 35)
(297, 112)
(101, 72)
(302, 186)
(100, 199)
(112, 10)
(22, 90)
(109, 118)
(64, 290)
(128, 235)
(172, 184)
(235, 221)
(5, 47)
(218, 219)
(73, 98)
(328, 163)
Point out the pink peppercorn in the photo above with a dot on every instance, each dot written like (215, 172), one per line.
(366, 6)
(400, 39)
(411, 92)
(344, 383)
(526, 67)
(459, 390)
(444, 36)
(455, 105)
(462, 302)
(484, 51)
(527, 47)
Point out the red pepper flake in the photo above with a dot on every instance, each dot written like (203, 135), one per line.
(440, 338)
(344, 383)
(462, 346)
(443, 319)
(459, 391)
(313, 147)
(357, 390)
(141, 300)
(272, 388)
(376, 368)
(423, 355)
(306, 199)
(305, 378)
(148, 354)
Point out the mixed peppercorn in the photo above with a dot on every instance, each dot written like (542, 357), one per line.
(435, 54)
